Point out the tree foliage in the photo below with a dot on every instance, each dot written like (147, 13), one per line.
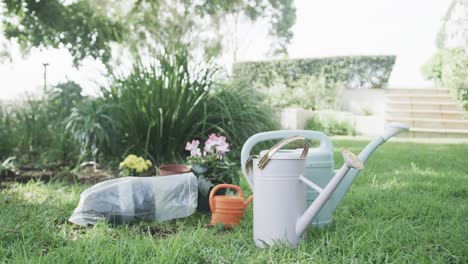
(78, 27)
(453, 30)
(172, 23)
(449, 68)
(87, 28)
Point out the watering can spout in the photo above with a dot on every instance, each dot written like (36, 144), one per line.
(393, 129)
(351, 161)
(248, 201)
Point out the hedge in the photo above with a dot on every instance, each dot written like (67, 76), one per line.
(354, 72)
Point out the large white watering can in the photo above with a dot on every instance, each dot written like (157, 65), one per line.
(279, 179)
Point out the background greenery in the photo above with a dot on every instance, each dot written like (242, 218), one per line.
(330, 124)
(355, 72)
(34, 130)
(314, 83)
(449, 68)
(152, 111)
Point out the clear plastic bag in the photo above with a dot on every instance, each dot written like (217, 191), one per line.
(129, 199)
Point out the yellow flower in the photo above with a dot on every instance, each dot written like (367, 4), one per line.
(133, 162)
(139, 169)
(148, 162)
(132, 157)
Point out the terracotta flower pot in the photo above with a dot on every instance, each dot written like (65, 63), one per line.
(172, 169)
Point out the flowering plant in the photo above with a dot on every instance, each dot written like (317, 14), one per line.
(212, 163)
(133, 165)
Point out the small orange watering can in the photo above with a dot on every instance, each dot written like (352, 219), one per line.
(228, 210)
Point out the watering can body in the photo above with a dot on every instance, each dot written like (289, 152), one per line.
(280, 215)
(319, 166)
(227, 210)
(279, 200)
(319, 169)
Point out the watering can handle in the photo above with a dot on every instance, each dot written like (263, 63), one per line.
(223, 186)
(267, 156)
(325, 144)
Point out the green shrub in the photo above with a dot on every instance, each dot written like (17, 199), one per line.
(8, 135)
(61, 99)
(159, 107)
(455, 74)
(308, 93)
(91, 125)
(35, 129)
(35, 135)
(432, 69)
(449, 68)
(352, 71)
(329, 124)
(314, 83)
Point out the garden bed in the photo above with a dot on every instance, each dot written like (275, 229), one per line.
(84, 175)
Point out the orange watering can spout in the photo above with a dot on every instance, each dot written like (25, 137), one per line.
(228, 210)
(248, 201)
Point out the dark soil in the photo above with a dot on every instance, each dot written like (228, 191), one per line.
(87, 175)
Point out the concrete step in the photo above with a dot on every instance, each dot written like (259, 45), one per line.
(402, 97)
(421, 105)
(432, 123)
(417, 91)
(434, 114)
(437, 133)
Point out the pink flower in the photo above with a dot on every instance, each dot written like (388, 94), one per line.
(213, 137)
(221, 140)
(189, 146)
(214, 145)
(211, 142)
(222, 148)
(196, 152)
(193, 148)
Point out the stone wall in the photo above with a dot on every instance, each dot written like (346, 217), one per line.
(365, 108)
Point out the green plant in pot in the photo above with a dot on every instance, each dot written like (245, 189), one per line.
(211, 166)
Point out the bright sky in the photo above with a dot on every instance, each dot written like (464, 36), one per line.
(406, 28)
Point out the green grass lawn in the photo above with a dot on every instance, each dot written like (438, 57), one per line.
(409, 205)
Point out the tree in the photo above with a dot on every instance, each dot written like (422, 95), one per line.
(449, 65)
(88, 28)
(77, 27)
(453, 31)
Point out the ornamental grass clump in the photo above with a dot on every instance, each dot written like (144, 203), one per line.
(134, 165)
(162, 104)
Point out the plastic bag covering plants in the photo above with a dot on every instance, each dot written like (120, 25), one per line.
(129, 199)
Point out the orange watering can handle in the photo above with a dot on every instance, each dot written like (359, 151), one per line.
(223, 186)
